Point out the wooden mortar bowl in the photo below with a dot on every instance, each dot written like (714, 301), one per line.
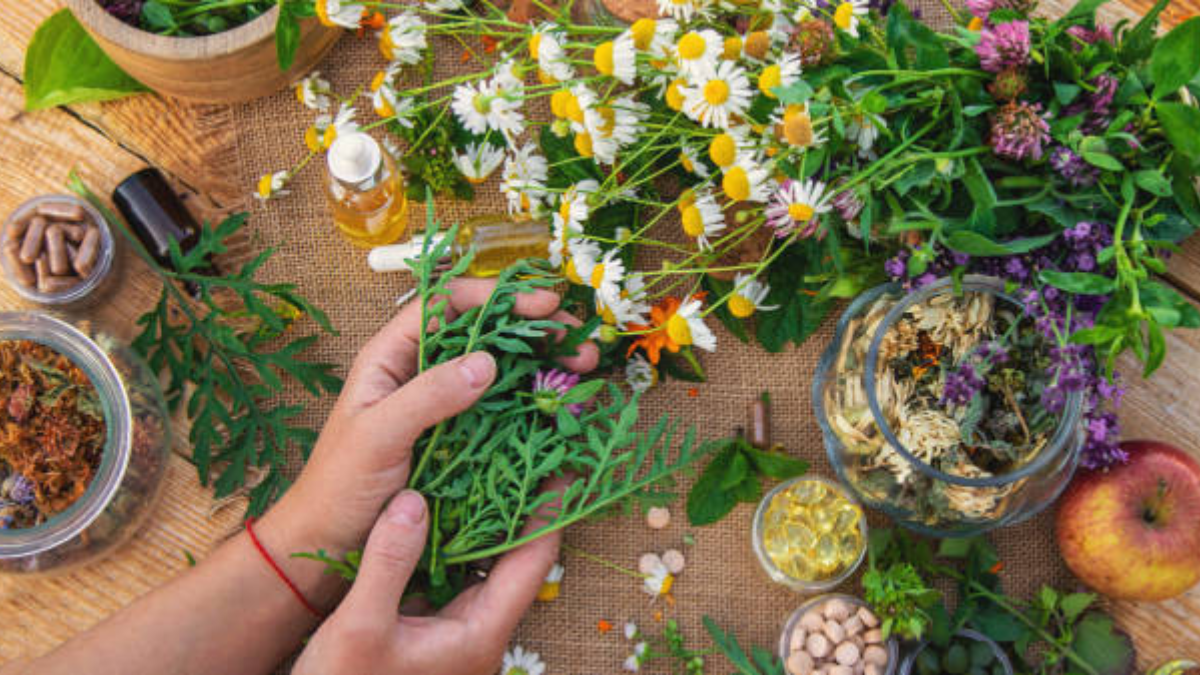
(235, 65)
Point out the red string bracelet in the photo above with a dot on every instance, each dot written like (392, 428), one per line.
(279, 570)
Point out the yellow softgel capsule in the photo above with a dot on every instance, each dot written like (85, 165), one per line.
(812, 531)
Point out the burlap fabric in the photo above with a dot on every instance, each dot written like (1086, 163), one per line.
(723, 579)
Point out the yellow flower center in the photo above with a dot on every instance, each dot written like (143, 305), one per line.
(323, 14)
(583, 144)
(384, 108)
(300, 93)
(597, 275)
(560, 102)
(265, 187)
(669, 581)
(733, 48)
(386, 47)
(680, 333)
(686, 199)
(546, 78)
(610, 120)
(772, 77)
(736, 184)
(693, 222)
(741, 306)
(574, 111)
(722, 150)
(675, 95)
(378, 80)
(843, 15)
(757, 44)
(603, 58)
(329, 136)
(691, 46)
(572, 273)
(482, 103)
(686, 162)
(564, 211)
(643, 33)
(716, 92)
(800, 212)
(312, 139)
(797, 128)
(535, 43)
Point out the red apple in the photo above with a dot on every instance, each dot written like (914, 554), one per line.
(1133, 532)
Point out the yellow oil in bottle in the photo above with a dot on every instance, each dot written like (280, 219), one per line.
(365, 192)
(500, 241)
(811, 531)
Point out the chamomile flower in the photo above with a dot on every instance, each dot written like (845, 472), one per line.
(519, 661)
(805, 9)
(384, 98)
(552, 584)
(686, 327)
(403, 39)
(614, 126)
(778, 75)
(702, 218)
(682, 10)
(545, 47)
(725, 148)
(748, 296)
(658, 581)
(847, 13)
(622, 310)
(691, 161)
(444, 5)
(524, 179)
(696, 52)
(631, 629)
(509, 84)
(578, 266)
(616, 58)
(477, 161)
(271, 185)
(338, 13)
(568, 220)
(796, 127)
(719, 95)
(640, 376)
(607, 274)
(796, 207)
(313, 91)
(864, 131)
(633, 662)
(746, 181)
(326, 128)
(481, 106)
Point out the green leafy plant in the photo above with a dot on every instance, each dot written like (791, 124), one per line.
(734, 475)
(483, 471)
(758, 662)
(895, 589)
(64, 65)
(225, 357)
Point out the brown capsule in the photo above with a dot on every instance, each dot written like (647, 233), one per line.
(56, 249)
(74, 231)
(42, 268)
(760, 424)
(72, 253)
(17, 228)
(61, 211)
(89, 250)
(23, 273)
(31, 245)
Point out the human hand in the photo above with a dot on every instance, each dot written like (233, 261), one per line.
(467, 637)
(362, 457)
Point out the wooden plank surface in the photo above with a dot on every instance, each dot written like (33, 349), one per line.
(196, 146)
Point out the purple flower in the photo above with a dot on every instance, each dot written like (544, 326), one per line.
(1019, 131)
(549, 388)
(1100, 446)
(981, 8)
(847, 204)
(897, 268)
(960, 259)
(22, 490)
(1003, 46)
(1072, 167)
(962, 385)
(1103, 33)
(126, 10)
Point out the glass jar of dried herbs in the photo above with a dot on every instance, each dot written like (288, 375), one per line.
(931, 407)
(84, 439)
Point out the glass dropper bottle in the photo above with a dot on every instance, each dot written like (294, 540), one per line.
(365, 191)
(498, 241)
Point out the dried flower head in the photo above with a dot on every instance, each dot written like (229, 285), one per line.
(1019, 131)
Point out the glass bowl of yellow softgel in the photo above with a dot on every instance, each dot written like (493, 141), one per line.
(809, 534)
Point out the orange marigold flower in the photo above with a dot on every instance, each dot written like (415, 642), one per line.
(693, 392)
(997, 567)
(655, 339)
(604, 625)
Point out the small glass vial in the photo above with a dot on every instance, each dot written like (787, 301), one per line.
(498, 241)
(365, 191)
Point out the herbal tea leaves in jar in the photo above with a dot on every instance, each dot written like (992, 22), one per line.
(956, 406)
(52, 433)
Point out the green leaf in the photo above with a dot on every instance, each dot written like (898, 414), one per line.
(287, 36)
(796, 92)
(707, 502)
(775, 465)
(1179, 123)
(1095, 152)
(1074, 604)
(1176, 58)
(1105, 648)
(1156, 348)
(583, 392)
(158, 17)
(1083, 12)
(998, 624)
(63, 65)
(1065, 92)
(1137, 43)
(954, 548)
(973, 243)
(1152, 181)
(1082, 283)
(736, 472)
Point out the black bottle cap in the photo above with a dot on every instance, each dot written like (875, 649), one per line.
(155, 214)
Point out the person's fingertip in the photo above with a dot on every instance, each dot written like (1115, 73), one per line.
(407, 509)
(478, 369)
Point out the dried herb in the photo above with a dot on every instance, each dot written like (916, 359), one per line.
(482, 471)
(52, 433)
(226, 359)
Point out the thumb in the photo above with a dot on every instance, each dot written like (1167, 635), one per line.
(436, 394)
(392, 552)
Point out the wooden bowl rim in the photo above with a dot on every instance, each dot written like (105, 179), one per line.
(170, 48)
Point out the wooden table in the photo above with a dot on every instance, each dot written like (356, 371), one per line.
(193, 145)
